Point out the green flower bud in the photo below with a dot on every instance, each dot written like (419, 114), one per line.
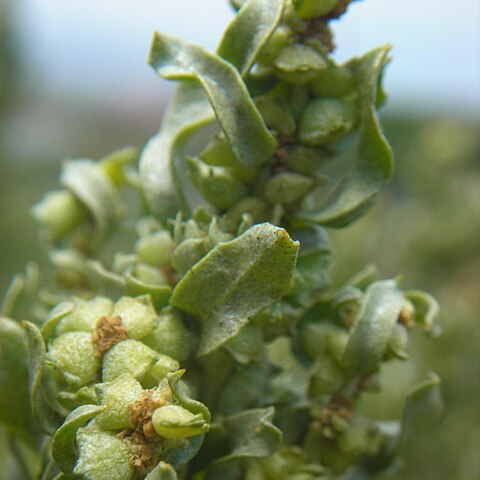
(216, 184)
(59, 213)
(129, 356)
(314, 8)
(319, 338)
(275, 111)
(333, 82)
(306, 160)
(159, 370)
(298, 64)
(102, 457)
(337, 342)
(326, 120)
(176, 422)
(293, 19)
(280, 38)
(138, 315)
(218, 152)
(354, 439)
(83, 396)
(288, 187)
(327, 377)
(85, 315)
(72, 271)
(170, 336)
(398, 343)
(117, 395)
(74, 357)
(283, 462)
(256, 207)
(299, 96)
(155, 249)
(150, 275)
(189, 252)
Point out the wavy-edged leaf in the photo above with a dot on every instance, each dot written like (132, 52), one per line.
(163, 471)
(85, 179)
(426, 309)
(423, 405)
(250, 434)
(21, 296)
(249, 31)
(373, 166)
(236, 280)
(373, 326)
(239, 119)
(44, 414)
(64, 451)
(160, 164)
(160, 167)
(15, 412)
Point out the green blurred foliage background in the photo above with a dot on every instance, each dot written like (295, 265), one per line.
(426, 227)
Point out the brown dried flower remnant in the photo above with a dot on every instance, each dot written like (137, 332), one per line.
(108, 332)
(143, 442)
(142, 409)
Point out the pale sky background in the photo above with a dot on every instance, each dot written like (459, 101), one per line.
(99, 47)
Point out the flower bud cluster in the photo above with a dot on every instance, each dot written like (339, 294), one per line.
(89, 341)
(134, 429)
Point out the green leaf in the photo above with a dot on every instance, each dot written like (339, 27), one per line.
(85, 179)
(179, 452)
(236, 113)
(44, 414)
(426, 309)
(54, 317)
(183, 399)
(15, 412)
(373, 166)
(250, 434)
(64, 451)
(160, 164)
(115, 163)
(163, 471)
(105, 281)
(249, 31)
(423, 405)
(235, 280)
(373, 326)
(21, 296)
(159, 294)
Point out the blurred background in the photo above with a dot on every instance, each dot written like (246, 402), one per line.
(74, 82)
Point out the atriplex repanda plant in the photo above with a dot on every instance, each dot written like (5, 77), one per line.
(218, 348)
